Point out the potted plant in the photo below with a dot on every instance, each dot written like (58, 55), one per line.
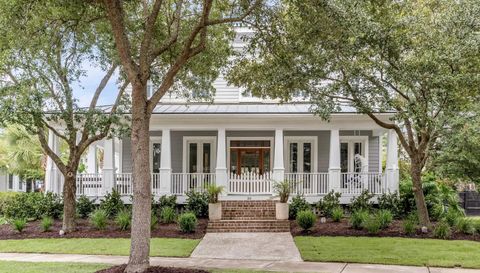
(281, 208)
(214, 207)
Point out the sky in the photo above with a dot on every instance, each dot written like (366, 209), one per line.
(84, 90)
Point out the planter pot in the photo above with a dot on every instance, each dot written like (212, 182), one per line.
(215, 211)
(281, 211)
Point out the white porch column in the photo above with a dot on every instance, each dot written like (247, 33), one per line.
(278, 162)
(165, 164)
(334, 161)
(53, 176)
(108, 176)
(92, 158)
(391, 172)
(221, 175)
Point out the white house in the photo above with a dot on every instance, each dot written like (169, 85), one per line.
(246, 143)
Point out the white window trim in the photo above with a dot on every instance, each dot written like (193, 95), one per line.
(350, 140)
(199, 139)
(153, 139)
(272, 147)
(303, 139)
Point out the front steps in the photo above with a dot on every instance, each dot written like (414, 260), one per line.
(248, 216)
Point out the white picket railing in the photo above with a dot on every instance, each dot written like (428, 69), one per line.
(308, 183)
(184, 182)
(250, 183)
(124, 183)
(89, 184)
(355, 183)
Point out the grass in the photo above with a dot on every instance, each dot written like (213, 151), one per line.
(165, 247)
(398, 251)
(43, 267)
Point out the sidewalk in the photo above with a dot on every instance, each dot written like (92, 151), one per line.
(265, 265)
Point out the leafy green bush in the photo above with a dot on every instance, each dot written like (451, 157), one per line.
(123, 219)
(298, 204)
(465, 225)
(476, 225)
(452, 217)
(372, 224)
(153, 221)
(167, 215)
(197, 202)
(306, 219)
(33, 205)
(337, 214)
(84, 206)
(46, 223)
(98, 218)
(391, 202)
(362, 201)
(51, 204)
(409, 227)
(328, 203)
(187, 222)
(6, 198)
(167, 201)
(385, 218)
(358, 218)
(442, 230)
(19, 224)
(112, 203)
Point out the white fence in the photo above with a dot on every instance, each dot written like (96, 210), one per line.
(185, 182)
(124, 183)
(355, 183)
(308, 183)
(89, 184)
(250, 183)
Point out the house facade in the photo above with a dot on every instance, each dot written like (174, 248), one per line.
(246, 144)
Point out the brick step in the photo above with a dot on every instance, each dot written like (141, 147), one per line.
(248, 218)
(249, 226)
(254, 204)
(253, 213)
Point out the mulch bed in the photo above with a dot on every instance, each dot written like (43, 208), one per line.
(85, 230)
(153, 269)
(343, 228)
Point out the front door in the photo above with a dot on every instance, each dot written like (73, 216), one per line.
(250, 156)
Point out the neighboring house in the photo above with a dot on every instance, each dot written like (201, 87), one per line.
(245, 143)
(10, 182)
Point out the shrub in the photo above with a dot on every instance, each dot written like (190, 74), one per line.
(337, 214)
(213, 192)
(282, 189)
(391, 202)
(99, 218)
(50, 205)
(46, 223)
(362, 201)
(465, 225)
(84, 206)
(112, 203)
(476, 225)
(33, 205)
(372, 224)
(328, 203)
(452, 217)
(306, 219)
(409, 227)
(19, 224)
(187, 222)
(385, 218)
(167, 215)
(197, 202)
(358, 218)
(5, 199)
(123, 219)
(167, 201)
(153, 221)
(298, 204)
(442, 230)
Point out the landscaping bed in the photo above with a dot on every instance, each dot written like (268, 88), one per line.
(86, 230)
(153, 269)
(343, 228)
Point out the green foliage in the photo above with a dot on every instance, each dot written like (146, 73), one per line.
(391, 202)
(99, 218)
(19, 224)
(358, 218)
(372, 224)
(330, 201)
(409, 226)
(282, 189)
(298, 204)
(385, 218)
(153, 221)
(306, 219)
(46, 223)
(187, 222)
(197, 202)
(112, 203)
(167, 201)
(442, 230)
(123, 219)
(476, 225)
(50, 205)
(33, 205)
(84, 206)
(452, 217)
(362, 201)
(465, 225)
(167, 215)
(5, 199)
(337, 214)
(213, 192)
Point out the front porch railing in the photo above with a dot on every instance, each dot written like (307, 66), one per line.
(89, 184)
(124, 183)
(308, 183)
(184, 182)
(250, 183)
(356, 183)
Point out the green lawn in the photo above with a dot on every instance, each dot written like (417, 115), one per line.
(23, 267)
(400, 251)
(168, 247)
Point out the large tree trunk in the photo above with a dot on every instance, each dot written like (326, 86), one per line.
(140, 236)
(69, 189)
(416, 173)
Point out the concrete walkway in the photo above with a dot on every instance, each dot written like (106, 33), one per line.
(281, 266)
(274, 246)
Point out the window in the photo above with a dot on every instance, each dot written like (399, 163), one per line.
(301, 154)
(10, 181)
(351, 147)
(199, 154)
(250, 156)
(155, 154)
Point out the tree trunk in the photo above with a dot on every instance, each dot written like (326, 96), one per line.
(140, 245)
(416, 172)
(69, 189)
